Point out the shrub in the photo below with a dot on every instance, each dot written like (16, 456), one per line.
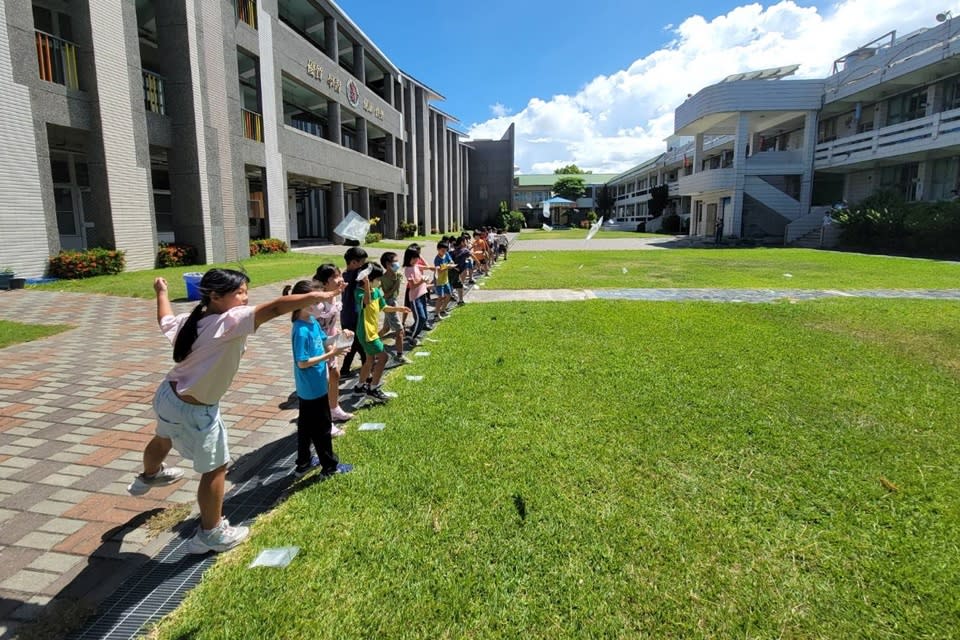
(176, 255)
(268, 245)
(511, 221)
(373, 237)
(406, 230)
(671, 223)
(73, 265)
(592, 216)
(884, 221)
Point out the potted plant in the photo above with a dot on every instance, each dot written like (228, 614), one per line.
(6, 275)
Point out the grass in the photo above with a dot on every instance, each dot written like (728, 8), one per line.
(264, 269)
(724, 268)
(581, 234)
(16, 332)
(628, 469)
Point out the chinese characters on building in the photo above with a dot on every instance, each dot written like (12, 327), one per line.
(315, 71)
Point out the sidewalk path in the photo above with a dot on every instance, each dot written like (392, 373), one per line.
(75, 413)
(711, 295)
(597, 243)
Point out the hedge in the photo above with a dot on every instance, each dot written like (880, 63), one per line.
(73, 265)
(176, 255)
(268, 245)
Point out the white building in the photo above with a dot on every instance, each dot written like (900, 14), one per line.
(767, 153)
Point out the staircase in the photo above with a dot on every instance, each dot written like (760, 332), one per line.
(771, 197)
(809, 240)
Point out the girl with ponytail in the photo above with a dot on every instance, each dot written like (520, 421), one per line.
(207, 345)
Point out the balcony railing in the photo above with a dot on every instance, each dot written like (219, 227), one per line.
(247, 12)
(936, 131)
(57, 59)
(153, 92)
(252, 125)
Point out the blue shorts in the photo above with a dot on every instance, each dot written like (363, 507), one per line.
(442, 290)
(197, 430)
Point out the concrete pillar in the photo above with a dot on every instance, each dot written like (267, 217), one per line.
(457, 185)
(363, 194)
(359, 68)
(433, 209)
(119, 120)
(334, 125)
(741, 140)
(410, 151)
(809, 148)
(697, 152)
(390, 147)
(390, 218)
(421, 132)
(443, 208)
(389, 90)
(337, 212)
(330, 39)
(361, 125)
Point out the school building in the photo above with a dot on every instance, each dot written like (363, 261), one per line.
(131, 123)
(761, 156)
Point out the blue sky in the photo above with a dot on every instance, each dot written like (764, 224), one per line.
(596, 82)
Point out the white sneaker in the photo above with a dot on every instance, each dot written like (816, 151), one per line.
(336, 432)
(143, 483)
(220, 538)
(339, 415)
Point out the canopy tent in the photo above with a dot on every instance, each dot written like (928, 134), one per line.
(559, 203)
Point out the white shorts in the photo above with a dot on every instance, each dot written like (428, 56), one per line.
(197, 431)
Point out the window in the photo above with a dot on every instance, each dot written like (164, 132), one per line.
(907, 106)
(901, 179)
(951, 93)
(943, 179)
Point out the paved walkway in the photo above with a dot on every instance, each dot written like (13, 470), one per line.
(599, 243)
(75, 413)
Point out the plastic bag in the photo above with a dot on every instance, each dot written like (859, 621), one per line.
(353, 226)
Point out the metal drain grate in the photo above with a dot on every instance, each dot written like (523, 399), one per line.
(159, 586)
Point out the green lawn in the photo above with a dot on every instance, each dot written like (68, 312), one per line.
(16, 332)
(581, 234)
(624, 469)
(263, 269)
(725, 268)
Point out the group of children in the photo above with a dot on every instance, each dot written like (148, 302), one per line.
(335, 316)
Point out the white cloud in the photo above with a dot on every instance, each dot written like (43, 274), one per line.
(616, 121)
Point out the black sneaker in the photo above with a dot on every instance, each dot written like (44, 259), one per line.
(377, 393)
(360, 389)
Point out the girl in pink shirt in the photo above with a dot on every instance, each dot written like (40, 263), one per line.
(207, 345)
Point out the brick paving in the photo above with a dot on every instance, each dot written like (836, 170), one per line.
(75, 412)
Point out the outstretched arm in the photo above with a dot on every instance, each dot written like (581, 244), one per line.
(287, 304)
(164, 308)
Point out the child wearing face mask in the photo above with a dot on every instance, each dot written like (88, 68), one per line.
(328, 313)
(390, 284)
(370, 304)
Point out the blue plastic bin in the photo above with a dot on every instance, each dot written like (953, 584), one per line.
(192, 280)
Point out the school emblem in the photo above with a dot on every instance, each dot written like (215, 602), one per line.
(353, 93)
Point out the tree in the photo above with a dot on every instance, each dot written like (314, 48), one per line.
(570, 187)
(605, 200)
(570, 169)
(659, 198)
